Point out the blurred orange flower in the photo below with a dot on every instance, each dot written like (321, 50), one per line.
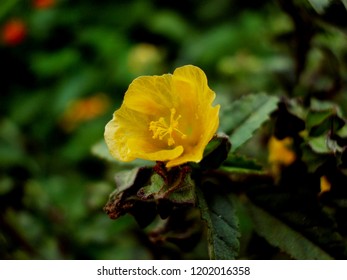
(43, 4)
(14, 32)
(83, 110)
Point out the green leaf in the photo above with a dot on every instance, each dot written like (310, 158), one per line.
(280, 235)
(179, 191)
(320, 5)
(246, 115)
(333, 12)
(6, 6)
(313, 159)
(153, 189)
(237, 166)
(323, 145)
(241, 162)
(55, 64)
(168, 23)
(185, 194)
(100, 150)
(319, 144)
(315, 118)
(342, 132)
(218, 212)
(319, 122)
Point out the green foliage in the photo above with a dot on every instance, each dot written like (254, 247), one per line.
(279, 71)
(284, 237)
(245, 116)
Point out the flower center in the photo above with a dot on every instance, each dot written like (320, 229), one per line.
(161, 129)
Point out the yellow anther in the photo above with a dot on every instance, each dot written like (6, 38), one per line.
(160, 128)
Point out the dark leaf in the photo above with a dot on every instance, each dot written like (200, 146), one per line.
(124, 199)
(294, 220)
(284, 237)
(218, 212)
(182, 228)
(241, 162)
(216, 152)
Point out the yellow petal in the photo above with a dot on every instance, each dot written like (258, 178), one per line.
(150, 95)
(192, 90)
(141, 149)
(124, 126)
(325, 185)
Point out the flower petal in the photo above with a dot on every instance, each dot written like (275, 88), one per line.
(126, 124)
(144, 151)
(150, 95)
(194, 151)
(197, 80)
(201, 119)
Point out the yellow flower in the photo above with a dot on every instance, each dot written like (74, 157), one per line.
(280, 154)
(280, 151)
(168, 118)
(325, 185)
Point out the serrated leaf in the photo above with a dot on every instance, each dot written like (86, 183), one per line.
(246, 115)
(219, 214)
(280, 235)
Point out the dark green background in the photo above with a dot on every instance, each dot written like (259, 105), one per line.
(52, 188)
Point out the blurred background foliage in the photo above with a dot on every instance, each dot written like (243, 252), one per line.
(65, 67)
